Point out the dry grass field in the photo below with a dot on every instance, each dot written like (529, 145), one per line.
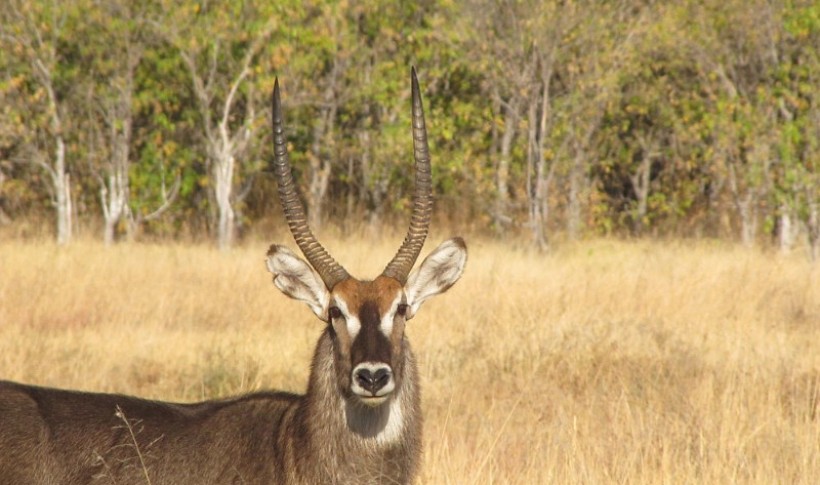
(603, 362)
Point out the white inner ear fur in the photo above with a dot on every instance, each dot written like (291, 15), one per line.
(296, 279)
(438, 272)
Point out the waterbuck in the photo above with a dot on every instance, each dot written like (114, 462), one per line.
(359, 421)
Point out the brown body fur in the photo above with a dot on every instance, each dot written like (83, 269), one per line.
(56, 437)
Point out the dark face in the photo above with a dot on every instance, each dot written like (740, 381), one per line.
(367, 319)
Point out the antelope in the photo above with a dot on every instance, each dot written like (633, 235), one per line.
(359, 421)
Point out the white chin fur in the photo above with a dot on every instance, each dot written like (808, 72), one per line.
(372, 401)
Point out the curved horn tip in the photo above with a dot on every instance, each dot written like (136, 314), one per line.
(317, 257)
(275, 93)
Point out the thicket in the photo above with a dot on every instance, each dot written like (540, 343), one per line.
(546, 119)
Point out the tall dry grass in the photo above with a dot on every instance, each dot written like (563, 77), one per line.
(604, 362)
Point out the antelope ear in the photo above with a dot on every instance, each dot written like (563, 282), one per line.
(296, 279)
(436, 274)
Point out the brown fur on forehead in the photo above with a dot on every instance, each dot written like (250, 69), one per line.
(355, 293)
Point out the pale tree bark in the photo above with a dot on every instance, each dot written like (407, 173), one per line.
(501, 35)
(747, 182)
(37, 39)
(747, 210)
(114, 97)
(539, 176)
(745, 201)
(540, 172)
(808, 185)
(225, 143)
(115, 184)
(501, 213)
(746, 169)
(786, 233)
(167, 196)
(739, 55)
(223, 92)
(114, 195)
(57, 169)
(223, 165)
(579, 166)
(786, 228)
(642, 177)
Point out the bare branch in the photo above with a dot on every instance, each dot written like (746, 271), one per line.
(167, 199)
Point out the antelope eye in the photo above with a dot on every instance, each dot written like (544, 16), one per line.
(401, 310)
(334, 313)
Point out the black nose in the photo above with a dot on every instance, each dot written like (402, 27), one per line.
(373, 381)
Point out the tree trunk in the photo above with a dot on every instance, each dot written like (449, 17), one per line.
(319, 161)
(114, 204)
(501, 214)
(538, 186)
(813, 224)
(62, 189)
(135, 221)
(748, 220)
(578, 176)
(115, 193)
(745, 199)
(640, 183)
(317, 190)
(4, 218)
(223, 169)
(59, 173)
(785, 229)
(543, 179)
(224, 146)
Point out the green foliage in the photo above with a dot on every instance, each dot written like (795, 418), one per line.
(720, 97)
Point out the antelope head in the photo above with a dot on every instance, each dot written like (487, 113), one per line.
(366, 319)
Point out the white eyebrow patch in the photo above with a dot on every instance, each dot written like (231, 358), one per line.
(352, 321)
(386, 325)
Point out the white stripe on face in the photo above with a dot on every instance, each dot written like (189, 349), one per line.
(386, 325)
(352, 321)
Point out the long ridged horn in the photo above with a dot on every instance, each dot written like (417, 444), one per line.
(399, 268)
(329, 270)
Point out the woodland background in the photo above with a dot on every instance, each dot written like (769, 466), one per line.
(603, 159)
(547, 120)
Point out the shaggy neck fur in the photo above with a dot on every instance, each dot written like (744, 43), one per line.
(351, 442)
